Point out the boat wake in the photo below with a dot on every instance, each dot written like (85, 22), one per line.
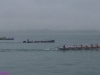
(53, 49)
(11, 42)
(25, 50)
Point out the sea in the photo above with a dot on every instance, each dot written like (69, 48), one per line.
(18, 58)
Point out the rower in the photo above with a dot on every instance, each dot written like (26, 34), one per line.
(86, 46)
(81, 46)
(76, 46)
(96, 45)
(27, 40)
(64, 46)
(91, 45)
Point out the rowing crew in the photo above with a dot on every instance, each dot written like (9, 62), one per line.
(81, 46)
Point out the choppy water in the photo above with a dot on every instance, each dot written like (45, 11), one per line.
(18, 58)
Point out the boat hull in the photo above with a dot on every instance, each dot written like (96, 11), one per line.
(80, 48)
(50, 41)
(6, 38)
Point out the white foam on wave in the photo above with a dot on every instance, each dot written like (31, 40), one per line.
(52, 49)
(47, 49)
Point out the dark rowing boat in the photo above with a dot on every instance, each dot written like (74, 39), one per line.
(4, 38)
(42, 41)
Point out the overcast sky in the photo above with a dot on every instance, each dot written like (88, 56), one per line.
(49, 14)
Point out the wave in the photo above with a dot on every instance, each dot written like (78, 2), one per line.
(32, 50)
(11, 42)
(25, 50)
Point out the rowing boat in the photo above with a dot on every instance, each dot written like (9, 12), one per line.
(5, 38)
(79, 48)
(45, 41)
